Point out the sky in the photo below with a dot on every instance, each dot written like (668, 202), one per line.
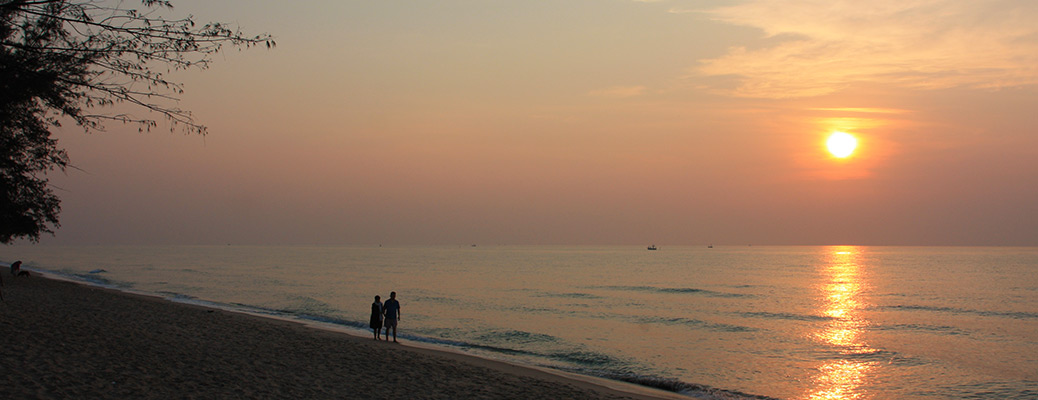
(583, 122)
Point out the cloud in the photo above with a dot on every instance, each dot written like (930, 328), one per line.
(619, 91)
(826, 46)
(862, 110)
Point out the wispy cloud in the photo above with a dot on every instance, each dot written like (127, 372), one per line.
(676, 10)
(829, 45)
(863, 110)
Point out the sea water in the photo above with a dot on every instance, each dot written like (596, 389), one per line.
(787, 322)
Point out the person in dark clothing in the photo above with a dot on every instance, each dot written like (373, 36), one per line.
(392, 313)
(376, 317)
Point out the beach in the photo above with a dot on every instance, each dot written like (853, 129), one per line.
(69, 340)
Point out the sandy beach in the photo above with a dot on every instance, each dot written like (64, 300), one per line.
(68, 340)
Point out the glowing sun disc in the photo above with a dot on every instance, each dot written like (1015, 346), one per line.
(841, 144)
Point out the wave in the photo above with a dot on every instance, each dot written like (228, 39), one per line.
(965, 311)
(515, 342)
(288, 313)
(689, 389)
(517, 337)
(995, 389)
(309, 305)
(601, 365)
(176, 296)
(716, 326)
(656, 289)
(586, 358)
(532, 310)
(334, 321)
(574, 295)
(93, 278)
(943, 329)
(437, 299)
(785, 316)
(102, 281)
(571, 357)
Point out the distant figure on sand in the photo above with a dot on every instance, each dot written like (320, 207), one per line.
(15, 267)
(392, 312)
(376, 317)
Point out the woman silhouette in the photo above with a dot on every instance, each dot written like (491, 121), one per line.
(376, 317)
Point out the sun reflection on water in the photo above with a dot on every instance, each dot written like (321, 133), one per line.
(843, 378)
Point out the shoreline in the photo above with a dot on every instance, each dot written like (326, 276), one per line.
(74, 339)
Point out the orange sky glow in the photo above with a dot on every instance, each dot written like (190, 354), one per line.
(584, 122)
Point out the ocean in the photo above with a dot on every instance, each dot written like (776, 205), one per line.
(840, 322)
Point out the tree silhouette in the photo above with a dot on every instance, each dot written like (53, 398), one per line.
(63, 59)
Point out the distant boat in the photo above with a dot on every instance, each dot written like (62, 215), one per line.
(653, 247)
(710, 246)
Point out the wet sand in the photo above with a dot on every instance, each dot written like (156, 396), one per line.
(68, 340)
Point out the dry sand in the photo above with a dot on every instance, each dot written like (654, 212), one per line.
(66, 340)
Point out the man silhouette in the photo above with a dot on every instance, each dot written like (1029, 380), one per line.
(392, 310)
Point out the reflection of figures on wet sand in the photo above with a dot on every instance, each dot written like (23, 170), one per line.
(376, 317)
(392, 313)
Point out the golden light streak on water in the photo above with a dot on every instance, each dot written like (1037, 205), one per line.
(840, 380)
(843, 379)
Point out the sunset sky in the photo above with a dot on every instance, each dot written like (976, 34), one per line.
(584, 122)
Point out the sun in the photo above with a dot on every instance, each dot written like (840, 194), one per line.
(841, 144)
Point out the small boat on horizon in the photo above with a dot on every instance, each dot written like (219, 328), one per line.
(653, 247)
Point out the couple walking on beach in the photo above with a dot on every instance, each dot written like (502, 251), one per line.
(385, 314)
